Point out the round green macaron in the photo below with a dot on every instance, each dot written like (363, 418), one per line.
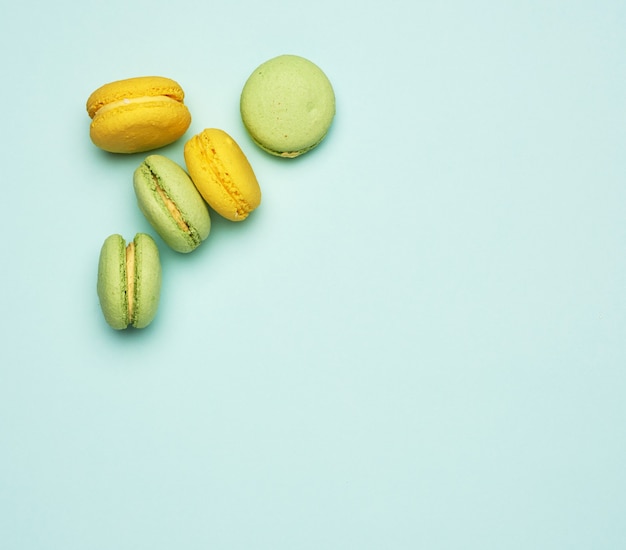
(287, 105)
(171, 203)
(129, 281)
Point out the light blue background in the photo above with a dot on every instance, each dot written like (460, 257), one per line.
(418, 339)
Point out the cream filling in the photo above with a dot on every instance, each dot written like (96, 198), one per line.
(130, 279)
(171, 207)
(133, 100)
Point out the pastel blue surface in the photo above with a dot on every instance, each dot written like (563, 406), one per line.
(417, 341)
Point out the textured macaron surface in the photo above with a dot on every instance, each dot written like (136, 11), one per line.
(129, 281)
(147, 280)
(171, 203)
(137, 114)
(130, 88)
(222, 174)
(112, 282)
(287, 105)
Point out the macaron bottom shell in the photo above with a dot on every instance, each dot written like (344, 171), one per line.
(287, 154)
(139, 126)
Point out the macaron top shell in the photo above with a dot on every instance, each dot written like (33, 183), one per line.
(171, 203)
(222, 174)
(287, 105)
(130, 88)
(137, 114)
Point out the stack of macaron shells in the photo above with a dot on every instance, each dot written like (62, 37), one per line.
(171, 203)
(141, 114)
(129, 281)
(222, 174)
(137, 114)
(287, 105)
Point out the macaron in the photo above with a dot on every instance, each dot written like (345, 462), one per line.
(129, 281)
(137, 114)
(287, 105)
(171, 203)
(222, 174)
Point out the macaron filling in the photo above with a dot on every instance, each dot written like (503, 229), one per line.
(130, 279)
(169, 204)
(132, 101)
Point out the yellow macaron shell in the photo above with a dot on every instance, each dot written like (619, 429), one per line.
(222, 174)
(137, 114)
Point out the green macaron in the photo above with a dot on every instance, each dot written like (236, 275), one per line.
(171, 203)
(287, 105)
(129, 281)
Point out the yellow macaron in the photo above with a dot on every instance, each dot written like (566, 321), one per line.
(222, 174)
(137, 114)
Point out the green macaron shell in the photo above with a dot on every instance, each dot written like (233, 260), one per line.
(156, 173)
(287, 105)
(112, 284)
(147, 280)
